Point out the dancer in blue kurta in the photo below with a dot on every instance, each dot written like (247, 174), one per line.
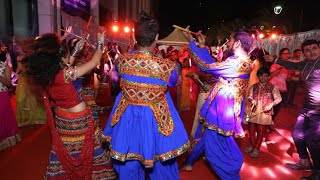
(145, 131)
(222, 113)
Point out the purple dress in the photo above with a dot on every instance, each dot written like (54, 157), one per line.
(222, 113)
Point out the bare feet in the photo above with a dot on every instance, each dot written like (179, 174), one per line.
(186, 167)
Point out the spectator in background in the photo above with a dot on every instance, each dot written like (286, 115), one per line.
(294, 79)
(9, 132)
(263, 96)
(177, 90)
(4, 49)
(306, 134)
(14, 77)
(258, 61)
(296, 55)
(278, 78)
(169, 50)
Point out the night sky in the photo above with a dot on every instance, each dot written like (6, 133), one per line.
(297, 15)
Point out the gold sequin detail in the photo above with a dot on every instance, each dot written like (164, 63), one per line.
(146, 65)
(70, 74)
(215, 128)
(237, 87)
(149, 163)
(142, 94)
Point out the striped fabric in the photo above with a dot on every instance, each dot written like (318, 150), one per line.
(72, 128)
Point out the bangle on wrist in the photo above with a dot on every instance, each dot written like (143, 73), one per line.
(74, 52)
(101, 41)
(100, 46)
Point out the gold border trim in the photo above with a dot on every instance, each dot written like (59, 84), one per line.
(148, 163)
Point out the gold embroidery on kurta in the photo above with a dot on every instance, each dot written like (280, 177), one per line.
(237, 87)
(146, 65)
(142, 94)
(70, 74)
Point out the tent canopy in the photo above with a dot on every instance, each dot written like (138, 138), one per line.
(175, 38)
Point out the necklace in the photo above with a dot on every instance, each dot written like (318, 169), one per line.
(310, 70)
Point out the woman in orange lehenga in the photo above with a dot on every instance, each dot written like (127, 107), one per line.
(185, 59)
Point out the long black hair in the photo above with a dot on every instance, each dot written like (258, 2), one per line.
(258, 54)
(3, 56)
(45, 61)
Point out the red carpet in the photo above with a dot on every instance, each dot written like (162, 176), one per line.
(28, 159)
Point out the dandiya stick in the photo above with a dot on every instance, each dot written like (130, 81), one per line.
(80, 37)
(88, 24)
(72, 34)
(186, 30)
(224, 44)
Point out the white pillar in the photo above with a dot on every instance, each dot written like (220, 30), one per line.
(115, 13)
(45, 16)
(94, 6)
(134, 10)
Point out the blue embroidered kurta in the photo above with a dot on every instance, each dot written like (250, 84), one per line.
(144, 124)
(224, 109)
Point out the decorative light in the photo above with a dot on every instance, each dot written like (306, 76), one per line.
(277, 9)
(126, 29)
(115, 28)
(273, 35)
(261, 35)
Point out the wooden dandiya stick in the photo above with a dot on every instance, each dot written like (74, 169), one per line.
(264, 53)
(88, 24)
(203, 86)
(114, 41)
(251, 51)
(72, 34)
(224, 44)
(186, 30)
(86, 39)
